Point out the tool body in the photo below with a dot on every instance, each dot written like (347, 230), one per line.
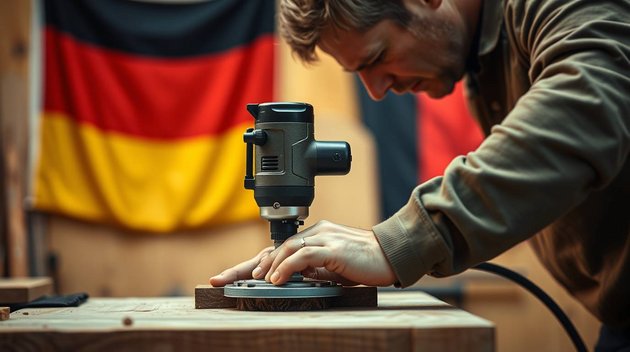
(286, 156)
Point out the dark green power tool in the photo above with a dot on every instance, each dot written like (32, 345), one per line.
(282, 150)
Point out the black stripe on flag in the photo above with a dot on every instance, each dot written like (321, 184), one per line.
(168, 30)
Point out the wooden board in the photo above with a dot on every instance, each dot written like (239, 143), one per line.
(26, 289)
(207, 297)
(4, 313)
(403, 321)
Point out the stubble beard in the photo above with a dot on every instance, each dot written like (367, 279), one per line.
(451, 62)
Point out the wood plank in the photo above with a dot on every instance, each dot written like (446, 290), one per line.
(404, 321)
(271, 340)
(26, 289)
(15, 18)
(208, 297)
(356, 296)
(5, 313)
(440, 339)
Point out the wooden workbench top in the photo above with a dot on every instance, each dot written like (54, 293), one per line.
(403, 321)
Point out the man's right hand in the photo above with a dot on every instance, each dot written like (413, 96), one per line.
(325, 251)
(242, 271)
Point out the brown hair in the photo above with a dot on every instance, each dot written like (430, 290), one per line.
(301, 21)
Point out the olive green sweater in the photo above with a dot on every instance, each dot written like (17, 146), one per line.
(551, 90)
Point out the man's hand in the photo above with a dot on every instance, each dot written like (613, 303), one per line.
(325, 251)
(241, 271)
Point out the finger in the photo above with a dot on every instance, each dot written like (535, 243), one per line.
(261, 269)
(240, 271)
(290, 246)
(307, 257)
(263, 266)
(294, 243)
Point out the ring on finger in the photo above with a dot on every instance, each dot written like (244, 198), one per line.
(302, 242)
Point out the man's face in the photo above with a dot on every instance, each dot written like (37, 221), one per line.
(429, 57)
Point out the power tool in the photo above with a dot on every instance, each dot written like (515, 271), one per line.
(287, 158)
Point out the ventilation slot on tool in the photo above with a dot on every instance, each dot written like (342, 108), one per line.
(269, 163)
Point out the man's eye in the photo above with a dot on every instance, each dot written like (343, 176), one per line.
(378, 59)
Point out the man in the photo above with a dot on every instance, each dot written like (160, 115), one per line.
(549, 83)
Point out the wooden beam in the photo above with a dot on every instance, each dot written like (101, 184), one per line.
(208, 297)
(403, 321)
(5, 313)
(15, 22)
(22, 290)
(357, 296)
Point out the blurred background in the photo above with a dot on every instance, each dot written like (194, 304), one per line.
(122, 161)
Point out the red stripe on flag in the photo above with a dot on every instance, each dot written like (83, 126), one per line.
(156, 98)
(446, 130)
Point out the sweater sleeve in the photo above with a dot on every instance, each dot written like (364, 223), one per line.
(567, 136)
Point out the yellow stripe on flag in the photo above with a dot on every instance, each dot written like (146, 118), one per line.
(138, 183)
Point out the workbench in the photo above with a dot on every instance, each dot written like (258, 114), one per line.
(403, 321)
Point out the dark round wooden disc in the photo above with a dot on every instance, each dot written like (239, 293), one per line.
(282, 304)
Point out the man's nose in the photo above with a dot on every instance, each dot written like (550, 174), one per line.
(375, 83)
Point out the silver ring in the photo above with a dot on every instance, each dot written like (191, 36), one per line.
(302, 242)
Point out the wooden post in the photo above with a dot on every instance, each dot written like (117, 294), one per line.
(15, 22)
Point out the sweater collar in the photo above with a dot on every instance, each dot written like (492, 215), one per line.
(491, 22)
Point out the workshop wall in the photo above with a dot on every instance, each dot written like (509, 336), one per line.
(108, 261)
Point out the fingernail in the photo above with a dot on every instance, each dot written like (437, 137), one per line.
(256, 273)
(275, 276)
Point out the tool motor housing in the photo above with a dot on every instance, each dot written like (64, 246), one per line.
(286, 156)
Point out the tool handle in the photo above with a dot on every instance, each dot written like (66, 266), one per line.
(249, 160)
(251, 137)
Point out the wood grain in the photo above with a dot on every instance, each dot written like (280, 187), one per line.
(208, 297)
(26, 289)
(282, 304)
(272, 340)
(403, 321)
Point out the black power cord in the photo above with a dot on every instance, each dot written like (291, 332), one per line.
(541, 295)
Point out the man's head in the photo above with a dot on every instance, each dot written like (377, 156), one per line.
(402, 45)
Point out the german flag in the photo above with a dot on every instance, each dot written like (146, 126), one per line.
(144, 110)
